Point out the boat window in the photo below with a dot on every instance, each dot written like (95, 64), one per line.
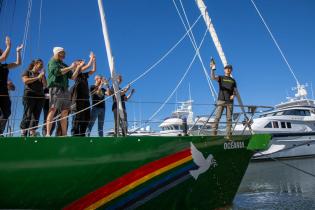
(268, 125)
(289, 125)
(283, 125)
(307, 113)
(270, 114)
(279, 113)
(297, 112)
(176, 127)
(275, 124)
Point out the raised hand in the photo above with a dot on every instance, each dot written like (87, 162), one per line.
(92, 56)
(8, 41)
(19, 48)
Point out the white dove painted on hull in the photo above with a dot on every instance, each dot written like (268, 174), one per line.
(199, 160)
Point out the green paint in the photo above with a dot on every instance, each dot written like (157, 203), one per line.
(43, 173)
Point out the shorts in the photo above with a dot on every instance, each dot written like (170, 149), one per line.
(59, 98)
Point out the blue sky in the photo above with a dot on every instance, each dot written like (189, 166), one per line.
(142, 31)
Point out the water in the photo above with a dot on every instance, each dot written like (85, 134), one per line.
(273, 185)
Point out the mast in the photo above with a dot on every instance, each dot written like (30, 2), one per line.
(214, 36)
(203, 9)
(111, 63)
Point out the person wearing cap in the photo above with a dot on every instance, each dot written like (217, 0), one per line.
(58, 82)
(227, 91)
(5, 102)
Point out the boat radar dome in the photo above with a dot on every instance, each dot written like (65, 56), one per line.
(228, 66)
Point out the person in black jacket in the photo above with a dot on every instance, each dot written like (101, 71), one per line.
(80, 99)
(5, 102)
(33, 99)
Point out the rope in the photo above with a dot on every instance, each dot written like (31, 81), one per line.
(193, 41)
(27, 23)
(12, 18)
(133, 81)
(276, 43)
(167, 53)
(39, 26)
(182, 79)
(289, 165)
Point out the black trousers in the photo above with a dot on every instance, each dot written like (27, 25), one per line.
(123, 124)
(81, 120)
(5, 108)
(32, 110)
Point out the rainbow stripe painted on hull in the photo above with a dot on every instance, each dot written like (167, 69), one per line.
(134, 179)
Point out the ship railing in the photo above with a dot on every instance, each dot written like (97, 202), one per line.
(244, 115)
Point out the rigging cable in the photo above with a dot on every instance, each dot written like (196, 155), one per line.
(149, 69)
(193, 41)
(27, 23)
(182, 79)
(167, 53)
(12, 17)
(276, 43)
(39, 26)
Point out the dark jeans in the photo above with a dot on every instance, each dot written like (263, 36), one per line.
(32, 109)
(5, 108)
(97, 112)
(81, 120)
(123, 124)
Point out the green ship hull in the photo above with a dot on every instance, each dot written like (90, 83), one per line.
(195, 172)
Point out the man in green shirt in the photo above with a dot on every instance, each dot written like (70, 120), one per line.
(58, 81)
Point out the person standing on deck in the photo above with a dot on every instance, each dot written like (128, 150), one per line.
(227, 87)
(58, 81)
(5, 102)
(98, 93)
(80, 99)
(123, 124)
(33, 99)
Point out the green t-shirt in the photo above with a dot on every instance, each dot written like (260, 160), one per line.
(55, 78)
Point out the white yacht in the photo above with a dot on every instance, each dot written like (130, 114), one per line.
(293, 127)
(175, 124)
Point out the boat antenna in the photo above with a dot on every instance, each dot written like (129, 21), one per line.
(276, 43)
(189, 92)
(111, 63)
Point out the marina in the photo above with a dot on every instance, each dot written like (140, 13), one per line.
(230, 143)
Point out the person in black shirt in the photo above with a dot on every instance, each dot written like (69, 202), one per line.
(80, 99)
(123, 124)
(33, 99)
(98, 93)
(5, 102)
(227, 91)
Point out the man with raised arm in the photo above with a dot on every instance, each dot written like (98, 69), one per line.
(98, 92)
(5, 102)
(123, 124)
(58, 82)
(227, 87)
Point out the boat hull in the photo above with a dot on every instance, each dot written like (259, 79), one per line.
(127, 172)
(289, 145)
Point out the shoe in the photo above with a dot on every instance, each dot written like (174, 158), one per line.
(228, 138)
